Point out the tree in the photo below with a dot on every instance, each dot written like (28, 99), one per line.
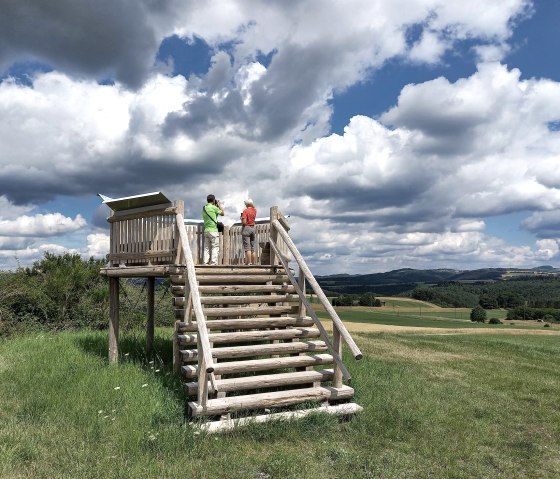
(368, 299)
(478, 314)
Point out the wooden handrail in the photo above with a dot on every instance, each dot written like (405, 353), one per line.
(324, 335)
(317, 289)
(195, 297)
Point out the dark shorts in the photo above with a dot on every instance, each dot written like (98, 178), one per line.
(248, 234)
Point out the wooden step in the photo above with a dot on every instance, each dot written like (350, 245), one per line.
(344, 409)
(246, 288)
(238, 270)
(250, 336)
(258, 350)
(241, 279)
(179, 301)
(249, 311)
(269, 400)
(235, 367)
(248, 323)
(264, 381)
(241, 311)
(251, 299)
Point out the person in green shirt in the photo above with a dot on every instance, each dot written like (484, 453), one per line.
(210, 213)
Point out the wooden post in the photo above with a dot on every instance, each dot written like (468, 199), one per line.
(176, 351)
(114, 319)
(301, 282)
(273, 232)
(150, 318)
(337, 346)
(227, 246)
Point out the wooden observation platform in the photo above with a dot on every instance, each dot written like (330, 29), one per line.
(247, 342)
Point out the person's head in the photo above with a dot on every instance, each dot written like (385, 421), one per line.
(211, 199)
(249, 202)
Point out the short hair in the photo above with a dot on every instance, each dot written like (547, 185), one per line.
(210, 199)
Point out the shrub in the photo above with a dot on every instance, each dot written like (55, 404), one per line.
(478, 314)
(494, 321)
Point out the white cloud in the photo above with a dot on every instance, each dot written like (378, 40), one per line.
(41, 225)
(413, 184)
(97, 245)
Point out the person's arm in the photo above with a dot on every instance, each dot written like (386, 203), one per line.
(221, 208)
(244, 218)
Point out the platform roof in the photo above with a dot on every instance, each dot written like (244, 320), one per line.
(136, 201)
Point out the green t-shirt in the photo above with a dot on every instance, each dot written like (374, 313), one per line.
(210, 217)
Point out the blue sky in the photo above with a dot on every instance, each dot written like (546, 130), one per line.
(419, 133)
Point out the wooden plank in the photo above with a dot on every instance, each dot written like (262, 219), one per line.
(248, 336)
(249, 311)
(245, 288)
(179, 301)
(136, 271)
(346, 409)
(249, 323)
(233, 367)
(141, 213)
(221, 279)
(140, 255)
(258, 350)
(252, 299)
(238, 270)
(264, 381)
(268, 400)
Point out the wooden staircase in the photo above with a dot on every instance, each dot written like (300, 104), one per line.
(267, 353)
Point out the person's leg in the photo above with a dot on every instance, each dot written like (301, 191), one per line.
(215, 248)
(207, 247)
(246, 246)
(253, 247)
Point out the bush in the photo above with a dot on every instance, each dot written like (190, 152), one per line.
(494, 321)
(478, 314)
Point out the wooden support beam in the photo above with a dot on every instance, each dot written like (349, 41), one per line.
(113, 320)
(150, 328)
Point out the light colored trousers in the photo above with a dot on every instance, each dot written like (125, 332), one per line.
(211, 247)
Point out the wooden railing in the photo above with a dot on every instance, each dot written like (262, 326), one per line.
(192, 303)
(146, 235)
(340, 332)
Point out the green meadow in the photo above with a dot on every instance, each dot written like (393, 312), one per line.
(438, 406)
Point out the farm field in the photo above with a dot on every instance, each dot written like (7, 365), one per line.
(420, 314)
(437, 406)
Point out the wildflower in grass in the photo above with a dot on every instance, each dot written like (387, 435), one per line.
(116, 388)
(100, 411)
(144, 385)
(157, 371)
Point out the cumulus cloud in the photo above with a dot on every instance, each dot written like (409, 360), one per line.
(41, 225)
(416, 182)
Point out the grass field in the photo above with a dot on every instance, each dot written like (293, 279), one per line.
(458, 406)
(430, 317)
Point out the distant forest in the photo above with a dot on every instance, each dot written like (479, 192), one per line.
(532, 293)
(449, 288)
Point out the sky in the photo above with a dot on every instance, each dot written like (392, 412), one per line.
(394, 133)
